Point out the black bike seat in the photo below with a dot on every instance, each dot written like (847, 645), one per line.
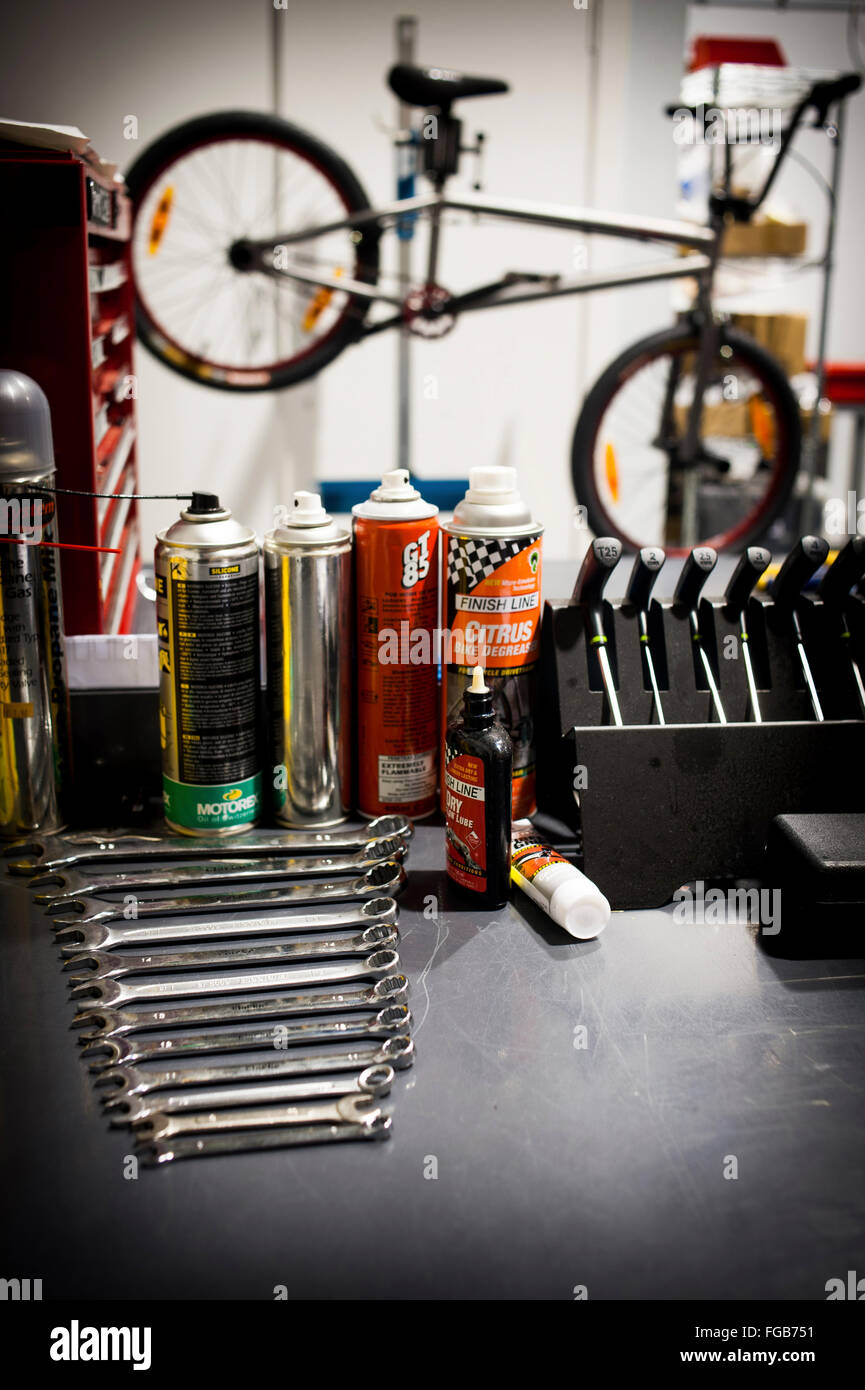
(439, 86)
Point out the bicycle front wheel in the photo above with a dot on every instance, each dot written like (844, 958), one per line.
(626, 449)
(199, 193)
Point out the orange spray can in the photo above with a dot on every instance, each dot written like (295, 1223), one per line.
(396, 582)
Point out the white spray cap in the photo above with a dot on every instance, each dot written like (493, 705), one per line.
(395, 487)
(493, 486)
(307, 510)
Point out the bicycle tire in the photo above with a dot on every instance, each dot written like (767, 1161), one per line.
(679, 339)
(227, 125)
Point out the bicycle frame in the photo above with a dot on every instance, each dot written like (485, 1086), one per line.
(513, 288)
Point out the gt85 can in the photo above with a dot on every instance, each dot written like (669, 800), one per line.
(396, 574)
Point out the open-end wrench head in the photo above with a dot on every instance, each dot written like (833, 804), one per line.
(101, 1023)
(806, 557)
(752, 563)
(647, 565)
(99, 992)
(83, 936)
(90, 909)
(846, 570)
(107, 1052)
(598, 564)
(695, 571)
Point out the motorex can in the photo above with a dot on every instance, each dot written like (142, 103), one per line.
(34, 697)
(395, 537)
(491, 599)
(308, 620)
(208, 624)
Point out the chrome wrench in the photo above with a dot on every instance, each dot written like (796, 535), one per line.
(113, 992)
(44, 853)
(113, 1052)
(100, 936)
(127, 1110)
(386, 877)
(74, 884)
(132, 1081)
(108, 965)
(118, 1023)
(154, 1153)
(349, 1109)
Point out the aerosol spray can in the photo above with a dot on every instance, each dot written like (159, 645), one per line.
(207, 611)
(395, 535)
(491, 582)
(34, 698)
(308, 607)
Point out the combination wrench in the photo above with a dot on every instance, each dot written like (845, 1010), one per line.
(347, 1110)
(128, 1110)
(389, 1022)
(386, 877)
(96, 936)
(117, 1023)
(75, 884)
(153, 1153)
(108, 965)
(132, 1081)
(45, 853)
(113, 992)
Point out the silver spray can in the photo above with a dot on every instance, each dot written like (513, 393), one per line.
(209, 644)
(308, 617)
(34, 697)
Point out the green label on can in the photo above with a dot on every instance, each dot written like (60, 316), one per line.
(226, 806)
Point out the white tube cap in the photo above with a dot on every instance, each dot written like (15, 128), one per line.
(582, 913)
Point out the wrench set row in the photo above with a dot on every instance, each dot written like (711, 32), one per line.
(324, 1024)
(672, 732)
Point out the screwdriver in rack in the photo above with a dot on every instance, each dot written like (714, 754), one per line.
(598, 564)
(752, 563)
(686, 599)
(834, 590)
(806, 557)
(648, 563)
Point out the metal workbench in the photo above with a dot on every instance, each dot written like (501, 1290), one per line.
(558, 1164)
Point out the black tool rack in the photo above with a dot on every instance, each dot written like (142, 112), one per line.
(657, 806)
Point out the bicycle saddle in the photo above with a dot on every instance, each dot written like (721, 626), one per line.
(439, 86)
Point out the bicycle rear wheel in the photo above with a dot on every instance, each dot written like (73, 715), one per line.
(624, 454)
(197, 192)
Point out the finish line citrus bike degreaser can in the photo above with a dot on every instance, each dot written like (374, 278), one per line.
(491, 599)
(208, 624)
(396, 580)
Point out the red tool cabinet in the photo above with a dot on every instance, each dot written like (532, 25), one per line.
(67, 320)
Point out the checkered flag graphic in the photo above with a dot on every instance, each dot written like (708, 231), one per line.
(477, 559)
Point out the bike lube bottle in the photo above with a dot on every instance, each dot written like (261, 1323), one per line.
(491, 588)
(308, 598)
(207, 610)
(477, 787)
(34, 697)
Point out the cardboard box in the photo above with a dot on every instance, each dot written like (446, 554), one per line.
(783, 335)
(764, 236)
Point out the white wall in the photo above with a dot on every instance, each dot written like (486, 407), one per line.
(508, 382)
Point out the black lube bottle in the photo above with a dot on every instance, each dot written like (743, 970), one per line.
(478, 765)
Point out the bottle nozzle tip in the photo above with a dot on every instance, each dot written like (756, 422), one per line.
(477, 686)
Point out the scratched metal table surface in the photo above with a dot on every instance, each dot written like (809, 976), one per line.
(558, 1165)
